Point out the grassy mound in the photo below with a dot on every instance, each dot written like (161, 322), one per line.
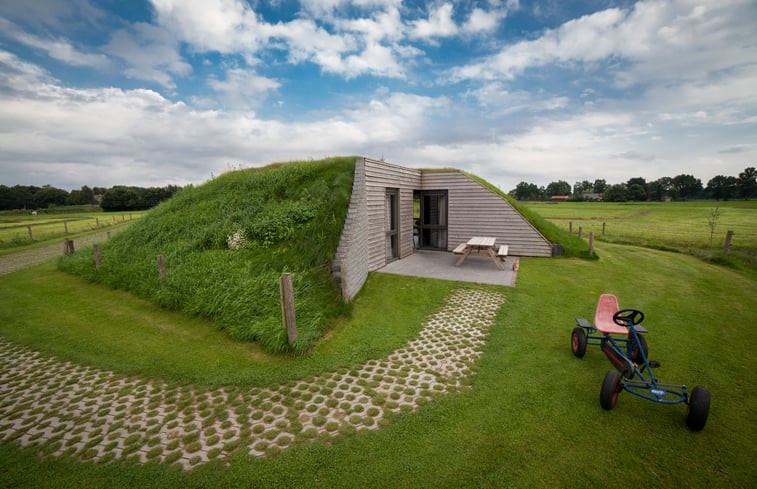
(227, 242)
(572, 245)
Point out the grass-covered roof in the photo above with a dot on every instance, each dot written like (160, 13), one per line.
(227, 242)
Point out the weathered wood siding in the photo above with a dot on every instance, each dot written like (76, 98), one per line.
(474, 210)
(379, 176)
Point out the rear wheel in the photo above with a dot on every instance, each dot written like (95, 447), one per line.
(578, 342)
(699, 408)
(611, 387)
(633, 349)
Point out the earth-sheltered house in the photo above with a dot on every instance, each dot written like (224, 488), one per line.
(395, 210)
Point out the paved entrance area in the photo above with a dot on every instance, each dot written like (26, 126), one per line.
(441, 265)
(65, 409)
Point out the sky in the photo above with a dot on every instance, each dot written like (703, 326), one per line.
(158, 92)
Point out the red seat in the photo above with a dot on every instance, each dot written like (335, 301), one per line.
(606, 308)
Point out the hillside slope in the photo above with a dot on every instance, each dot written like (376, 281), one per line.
(226, 243)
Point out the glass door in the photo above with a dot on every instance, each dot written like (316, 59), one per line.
(433, 219)
(392, 218)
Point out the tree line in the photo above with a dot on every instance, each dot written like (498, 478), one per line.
(117, 198)
(680, 187)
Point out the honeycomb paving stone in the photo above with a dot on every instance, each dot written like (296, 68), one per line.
(100, 416)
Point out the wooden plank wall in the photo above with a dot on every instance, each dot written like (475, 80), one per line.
(474, 210)
(379, 176)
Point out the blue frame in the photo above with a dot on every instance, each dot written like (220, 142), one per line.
(647, 386)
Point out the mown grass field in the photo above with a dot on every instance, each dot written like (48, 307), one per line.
(675, 226)
(46, 228)
(531, 419)
(681, 224)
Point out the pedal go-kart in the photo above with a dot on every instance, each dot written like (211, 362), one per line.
(633, 362)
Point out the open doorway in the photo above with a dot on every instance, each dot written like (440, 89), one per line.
(430, 219)
(392, 218)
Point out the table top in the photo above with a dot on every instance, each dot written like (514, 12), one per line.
(481, 241)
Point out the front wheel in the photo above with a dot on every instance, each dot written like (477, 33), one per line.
(611, 387)
(634, 353)
(699, 408)
(578, 342)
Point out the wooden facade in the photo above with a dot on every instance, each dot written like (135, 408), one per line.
(470, 210)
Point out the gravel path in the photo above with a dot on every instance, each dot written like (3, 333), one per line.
(29, 258)
(62, 408)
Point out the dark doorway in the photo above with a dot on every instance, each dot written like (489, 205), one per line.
(392, 218)
(431, 223)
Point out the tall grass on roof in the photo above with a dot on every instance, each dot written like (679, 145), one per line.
(227, 242)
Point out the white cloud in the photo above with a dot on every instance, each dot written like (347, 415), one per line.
(438, 24)
(242, 89)
(225, 26)
(151, 53)
(60, 49)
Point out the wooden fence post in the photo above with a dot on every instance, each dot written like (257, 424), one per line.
(112, 219)
(96, 249)
(65, 227)
(580, 231)
(570, 226)
(287, 306)
(603, 228)
(68, 246)
(161, 268)
(31, 236)
(591, 244)
(728, 237)
(97, 222)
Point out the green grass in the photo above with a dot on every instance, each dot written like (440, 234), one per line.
(110, 329)
(675, 226)
(49, 228)
(532, 417)
(289, 217)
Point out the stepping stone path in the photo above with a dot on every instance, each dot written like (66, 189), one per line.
(91, 414)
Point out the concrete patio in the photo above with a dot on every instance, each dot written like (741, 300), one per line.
(441, 265)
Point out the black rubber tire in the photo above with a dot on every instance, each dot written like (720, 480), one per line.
(699, 408)
(611, 387)
(578, 342)
(633, 349)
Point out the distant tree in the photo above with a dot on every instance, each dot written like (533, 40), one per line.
(616, 193)
(81, 197)
(561, 187)
(22, 196)
(120, 198)
(527, 191)
(6, 198)
(658, 189)
(49, 196)
(636, 192)
(747, 183)
(687, 186)
(581, 187)
(722, 187)
(600, 185)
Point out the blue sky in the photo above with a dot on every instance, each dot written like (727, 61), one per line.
(162, 92)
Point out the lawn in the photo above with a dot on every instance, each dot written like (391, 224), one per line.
(675, 226)
(682, 224)
(47, 228)
(531, 419)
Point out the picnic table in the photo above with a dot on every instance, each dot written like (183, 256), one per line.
(482, 245)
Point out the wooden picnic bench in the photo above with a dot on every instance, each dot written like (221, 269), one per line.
(478, 245)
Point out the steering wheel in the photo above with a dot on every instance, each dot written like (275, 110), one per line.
(628, 317)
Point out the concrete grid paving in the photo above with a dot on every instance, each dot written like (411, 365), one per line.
(91, 414)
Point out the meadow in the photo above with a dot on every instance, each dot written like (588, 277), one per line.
(530, 419)
(50, 227)
(697, 227)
